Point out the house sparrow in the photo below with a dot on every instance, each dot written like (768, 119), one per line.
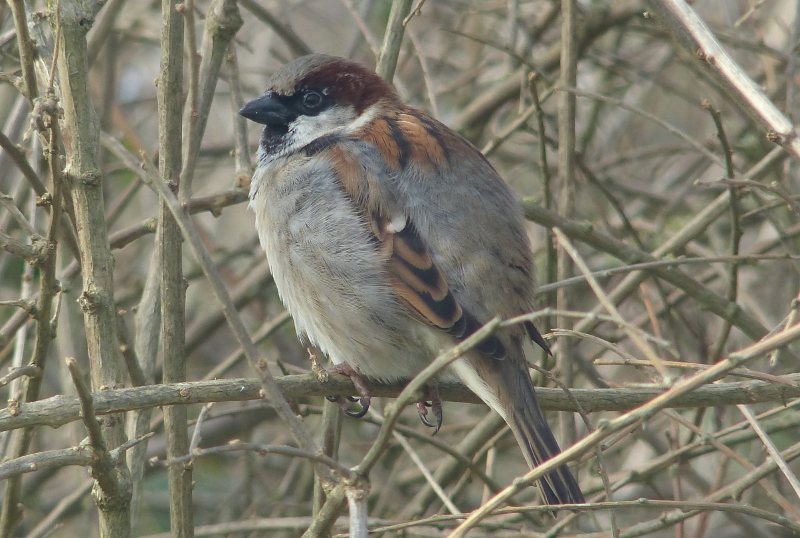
(391, 238)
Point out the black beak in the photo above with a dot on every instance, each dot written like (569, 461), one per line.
(267, 109)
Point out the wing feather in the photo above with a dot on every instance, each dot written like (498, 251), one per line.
(418, 283)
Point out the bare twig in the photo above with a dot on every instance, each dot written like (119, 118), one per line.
(681, 21)
(617, 248)
(567, 194)
(195, 442)
(242, 150)
(102, 463)
(392, 39)
(642, 413)
(170, 244)
(262, 450)
(222, 23)
(8, 203)
(30, 370)
(26, 50)
(640, 342)
(771, 449)
(285, 32)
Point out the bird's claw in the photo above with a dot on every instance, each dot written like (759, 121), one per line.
(364, 399)
(344, 404)
(436, 405)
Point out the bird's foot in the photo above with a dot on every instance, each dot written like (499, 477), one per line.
(361, 386)
(435, 404)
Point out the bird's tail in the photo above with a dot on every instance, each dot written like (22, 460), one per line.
(506, 386)
(538, 445)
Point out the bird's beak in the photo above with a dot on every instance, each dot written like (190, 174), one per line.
(267, 109)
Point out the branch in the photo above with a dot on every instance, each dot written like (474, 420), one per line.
(641, 414)
(392, 40)
(583, 231)
(59, 410)
(689, 30)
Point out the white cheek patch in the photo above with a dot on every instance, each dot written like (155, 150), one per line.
(306, 129)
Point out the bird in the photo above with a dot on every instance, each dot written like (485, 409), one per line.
(391, 238)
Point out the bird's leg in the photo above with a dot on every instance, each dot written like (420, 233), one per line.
(361, 386)
(435, 404)
(316, 367)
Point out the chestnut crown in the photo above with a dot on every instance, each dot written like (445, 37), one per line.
(337, 80)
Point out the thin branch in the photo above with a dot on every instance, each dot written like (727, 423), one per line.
(244, 169)
(262, 450)
(682, 507)
(772, 450)
(45, 328)
(284, 31)
(30, 370)
(195, 442)
(26, 50)
(392, 39)
(103, 465)
(683, 23)
(640, 414)
(19, 158)
(652, 117)
(44, 527)
(8, 203)
(222, 23)
(640, 342)
(584, 232)
(32, 254)
(85, 187)
(172, 165)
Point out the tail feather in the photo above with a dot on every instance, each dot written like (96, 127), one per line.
(539, 445)
(506, 386)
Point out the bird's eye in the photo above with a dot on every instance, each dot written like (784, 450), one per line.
(312, 100)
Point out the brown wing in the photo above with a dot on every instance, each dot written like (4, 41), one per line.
(422, 287)
(418, 283)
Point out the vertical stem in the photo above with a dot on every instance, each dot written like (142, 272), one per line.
(244, 169)
(551, 254)
(736, 234)
(83, 182)
(170, 100)
(392, 39)
(331, 434)
(146, 342)
(566, 200)
(222, 22)
(48, 287)
(190, 115)
(26, 50)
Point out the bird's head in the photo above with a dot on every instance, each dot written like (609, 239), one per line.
(315, 96)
